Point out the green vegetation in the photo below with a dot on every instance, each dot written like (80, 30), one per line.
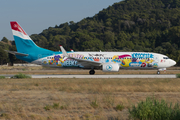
(119, 107)
(94, 104)
(152, 109)
(178, 75)
(55, 105)
(129, 25)
(47, 107)
(63, 107)
(20, 76)
(2, 77)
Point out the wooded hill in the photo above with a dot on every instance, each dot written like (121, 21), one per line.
(130, 25)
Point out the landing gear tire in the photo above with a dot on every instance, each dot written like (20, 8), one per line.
(158, 72)
(91, 72)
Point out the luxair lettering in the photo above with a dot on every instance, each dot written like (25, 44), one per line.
(70, 63)
(142, 55)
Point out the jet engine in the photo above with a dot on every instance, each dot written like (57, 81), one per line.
(110, 67)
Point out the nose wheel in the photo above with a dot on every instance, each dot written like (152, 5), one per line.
(158, 72)
(91, 72)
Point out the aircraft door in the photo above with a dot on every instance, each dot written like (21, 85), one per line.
(156, 61)
(156, 58)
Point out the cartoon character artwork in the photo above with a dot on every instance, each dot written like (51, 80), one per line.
(96, 59)
(106, 60)
(149, 60)
(126, 62)
(116, 59)
(123, 60)
(90, 58)
(155, 65)
(143, 64)
(45, 62)
(136, 60)
(58, 58)
(124, 56)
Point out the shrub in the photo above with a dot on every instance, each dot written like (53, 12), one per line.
(4, 115)
(178, 75)
(62, 107)
(55, 105)
(94, 104)
(47, 107)
(2, 77)
(119, 107)
(20, 75)
(152, 109)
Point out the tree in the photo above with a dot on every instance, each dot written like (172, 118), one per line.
(5, 40)
(3, 56)
(12, 58)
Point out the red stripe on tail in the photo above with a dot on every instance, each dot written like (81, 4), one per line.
(15, 26)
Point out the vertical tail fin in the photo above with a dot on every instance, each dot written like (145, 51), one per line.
(24, 43)
(22, 40)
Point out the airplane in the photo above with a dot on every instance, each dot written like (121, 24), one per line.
(28, 51)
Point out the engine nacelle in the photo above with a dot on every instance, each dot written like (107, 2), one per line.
(110, 67)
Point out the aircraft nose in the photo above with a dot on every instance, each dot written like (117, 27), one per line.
(172, 62)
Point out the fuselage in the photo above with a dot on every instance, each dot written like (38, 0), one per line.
(124, 59)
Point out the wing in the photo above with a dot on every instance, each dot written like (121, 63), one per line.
(93, 63)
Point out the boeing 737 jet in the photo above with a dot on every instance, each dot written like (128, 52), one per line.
(28, 51)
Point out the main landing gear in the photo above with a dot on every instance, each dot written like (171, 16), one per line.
(92, 72)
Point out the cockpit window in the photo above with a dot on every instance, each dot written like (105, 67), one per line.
(165, 58)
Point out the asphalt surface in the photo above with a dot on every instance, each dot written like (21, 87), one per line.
(99, 76)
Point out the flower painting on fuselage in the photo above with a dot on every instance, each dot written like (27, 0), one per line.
(125, 60)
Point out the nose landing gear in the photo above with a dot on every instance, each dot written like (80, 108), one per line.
(92, 72)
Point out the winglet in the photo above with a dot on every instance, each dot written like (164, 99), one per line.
(64, 51)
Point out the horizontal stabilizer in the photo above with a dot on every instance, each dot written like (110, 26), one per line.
(16, 53)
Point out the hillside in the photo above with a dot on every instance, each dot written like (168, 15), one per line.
(130, 25)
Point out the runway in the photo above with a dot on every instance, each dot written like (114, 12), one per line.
(98, 76)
